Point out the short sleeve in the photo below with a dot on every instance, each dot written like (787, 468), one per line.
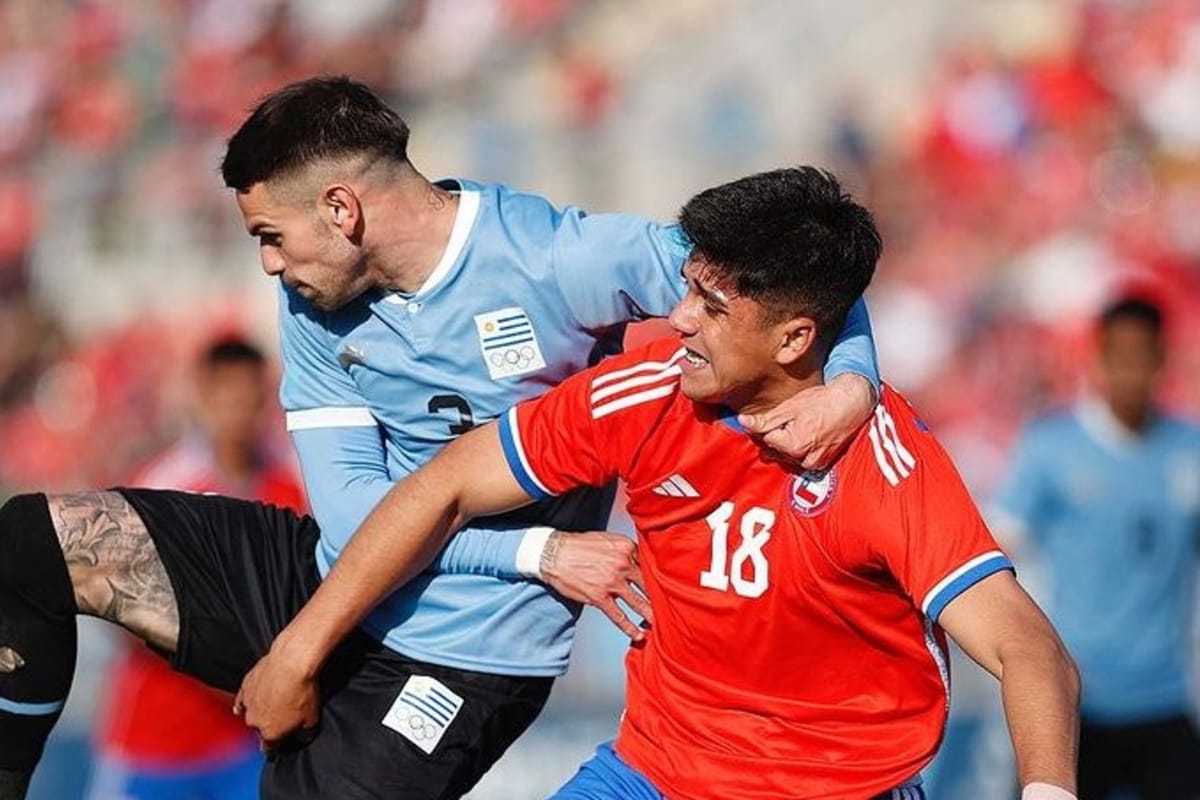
(930, 535)
(551, 442)
(584, 431)
(617, 268)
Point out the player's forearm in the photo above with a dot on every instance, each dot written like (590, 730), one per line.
(476, 551)
(1040, 687)
(853, 351)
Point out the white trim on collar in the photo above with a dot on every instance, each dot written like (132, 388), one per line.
(464, 218)
(1102, 425)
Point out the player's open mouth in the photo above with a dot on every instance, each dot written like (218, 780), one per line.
(695, 359)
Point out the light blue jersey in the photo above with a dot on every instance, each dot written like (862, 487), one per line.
(524, 296)
(1115, 518)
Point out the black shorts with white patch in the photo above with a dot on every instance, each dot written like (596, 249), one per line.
(391, 727)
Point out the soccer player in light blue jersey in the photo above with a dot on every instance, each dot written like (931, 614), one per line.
(410, 311)
(1108, 494)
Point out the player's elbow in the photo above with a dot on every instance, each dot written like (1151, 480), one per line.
(1043, 650)
(1062, 670)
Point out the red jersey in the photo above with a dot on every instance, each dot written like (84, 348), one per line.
(158, 717)
(795, 651)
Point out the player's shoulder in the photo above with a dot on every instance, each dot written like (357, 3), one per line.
(1052, 430)
(1178, 423)
(665, 348)
(507, 202)
(1054, 421)
(1180, 428)
(894, 445)
(644, 378)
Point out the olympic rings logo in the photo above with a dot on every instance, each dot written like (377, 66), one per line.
(520, 358)
(421, 729)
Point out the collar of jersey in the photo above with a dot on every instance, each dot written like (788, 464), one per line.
(1102, 425)
(464, 219)
(728, 417)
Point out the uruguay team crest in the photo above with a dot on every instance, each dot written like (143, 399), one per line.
(508, 342)
(812, 491)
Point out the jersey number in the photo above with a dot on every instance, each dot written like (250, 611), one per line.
(747, 569)
(453, 403)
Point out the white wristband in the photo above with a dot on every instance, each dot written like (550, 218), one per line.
(529, 551)
(1045, 791)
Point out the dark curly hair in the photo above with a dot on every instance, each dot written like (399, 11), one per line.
(790, 239)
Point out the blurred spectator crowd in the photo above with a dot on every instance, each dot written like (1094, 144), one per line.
(1046, 155)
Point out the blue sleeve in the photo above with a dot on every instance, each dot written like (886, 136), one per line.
(345, 475)
(341, 449)
(482, 552)
(616, 268)
(337, 440)
(854, 350)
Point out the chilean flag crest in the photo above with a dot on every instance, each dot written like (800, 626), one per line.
(811, 492)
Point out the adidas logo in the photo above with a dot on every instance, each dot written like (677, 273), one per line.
(676, 486)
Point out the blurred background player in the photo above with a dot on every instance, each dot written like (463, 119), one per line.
(162, 735)
(1108, 495)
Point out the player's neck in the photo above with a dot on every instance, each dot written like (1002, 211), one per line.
(235, 460)
(1134, 419)
(416, 225)
(773, 392)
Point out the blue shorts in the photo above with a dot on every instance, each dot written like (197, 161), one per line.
(233, 779)
(607, 777)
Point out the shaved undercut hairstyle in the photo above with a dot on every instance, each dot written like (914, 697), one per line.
(319, 119)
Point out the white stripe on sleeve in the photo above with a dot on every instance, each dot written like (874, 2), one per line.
(330, 417)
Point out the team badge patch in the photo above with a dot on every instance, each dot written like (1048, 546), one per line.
(423, 711)
(811, 492)
(508, 343)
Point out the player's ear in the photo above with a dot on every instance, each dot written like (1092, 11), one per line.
(343, 209)
(797, 338)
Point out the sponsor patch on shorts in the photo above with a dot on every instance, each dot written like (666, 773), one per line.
(423, 711)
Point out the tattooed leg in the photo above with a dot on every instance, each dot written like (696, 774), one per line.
(114, 566)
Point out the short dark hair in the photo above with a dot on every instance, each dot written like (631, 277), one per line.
(790, 239)
(231, 350)
(1138, 309)
(308, 121)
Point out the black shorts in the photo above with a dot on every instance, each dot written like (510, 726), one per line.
(1160, 760)
(241, 570)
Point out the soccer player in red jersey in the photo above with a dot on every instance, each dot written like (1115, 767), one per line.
(798, 644)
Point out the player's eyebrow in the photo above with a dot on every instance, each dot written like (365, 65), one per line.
(711, 295)
(259, 228)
